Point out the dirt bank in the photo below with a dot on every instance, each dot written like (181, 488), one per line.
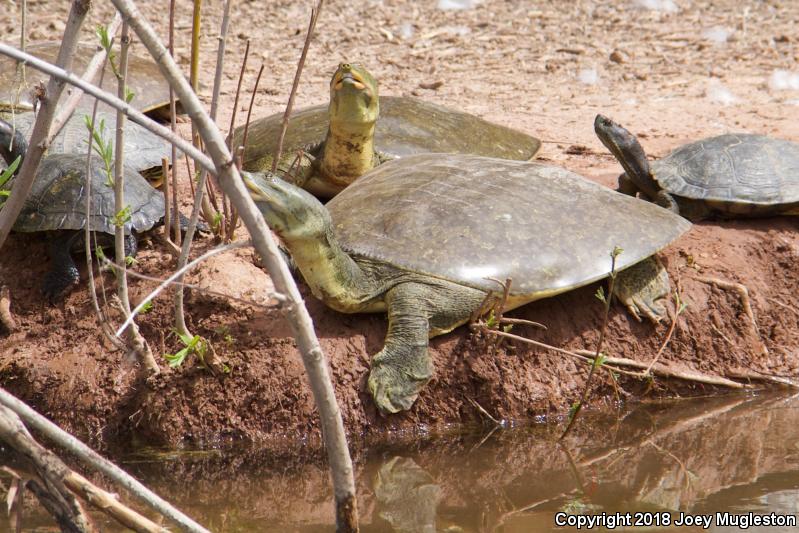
(546, 68)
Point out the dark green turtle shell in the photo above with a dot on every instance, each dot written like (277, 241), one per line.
(406, 126)
(58, 198)
(143, 149)
(733, 169)
(466, 218)
(144, 80)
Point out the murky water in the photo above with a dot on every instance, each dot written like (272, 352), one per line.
(658, 465)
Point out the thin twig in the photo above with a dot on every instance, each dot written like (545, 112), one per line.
(165, 168)
(93, 459)
(97, 62)
(743, 295)
(314, 361)
(484, 412)
(176, 237)
(784, 305)
(296, 83)
(607, 301)
(236, 98)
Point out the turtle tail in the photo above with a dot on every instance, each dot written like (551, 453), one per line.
(12, 143)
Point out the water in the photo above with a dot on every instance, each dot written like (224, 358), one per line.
(736, 454)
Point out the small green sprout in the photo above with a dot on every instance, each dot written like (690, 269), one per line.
(191, 344)
(5, 176)
(103, 148)
(122, 217)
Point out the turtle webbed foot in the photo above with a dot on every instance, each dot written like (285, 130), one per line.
(398, 375)
(642, 288)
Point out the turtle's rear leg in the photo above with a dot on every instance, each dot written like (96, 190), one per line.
(642, 288)
(63, 272)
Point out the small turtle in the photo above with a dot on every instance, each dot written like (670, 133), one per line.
(56, 205)
(345, 139)
(144, 80)
(732, 175)
(420, 237)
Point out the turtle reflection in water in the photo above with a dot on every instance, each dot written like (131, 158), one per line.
(733, 175)
(358, 131)
(418, 237)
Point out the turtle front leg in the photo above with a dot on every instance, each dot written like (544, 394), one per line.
(403, 366)
(416, 312)
(642, 287)
(63, 272)
(667, 201)
(627, 186)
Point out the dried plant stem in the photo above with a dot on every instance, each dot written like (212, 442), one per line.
(672, 327)
(165, 167)
(602, 331)
(743, 295)
(41, 127)
(143, 353)
(236, 98)
(298, 317)
(93, 459)
(97, 62)
(296, 83)
(173, 126)
(52, 471)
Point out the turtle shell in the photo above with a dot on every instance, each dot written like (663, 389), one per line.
(733, 169)
(144, 80)
(143, 149)
(406, 126)
(58, 198)
(467, 218)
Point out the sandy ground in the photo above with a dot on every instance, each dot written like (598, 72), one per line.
(678, 73)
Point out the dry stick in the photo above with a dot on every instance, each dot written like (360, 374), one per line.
(607, 301)
(93, 459)
(6, 318)
(279, 298)
(743, 295)
(658, 370)
(180, 272)
(66, 509)
(87, 241)
(485, 413)
(236, 98)
(167, 187)
(142, 350)
(41, 127)
(672, 327)
(297, 315)
(666, 371)
(784, 305)
(173, 126)
(296, 83)
(66, 110)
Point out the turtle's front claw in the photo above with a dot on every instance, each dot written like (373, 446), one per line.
(394, 388)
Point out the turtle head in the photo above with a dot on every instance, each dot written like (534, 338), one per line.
(291, 212)
(353, 97)
(628, 151)
(12, 143)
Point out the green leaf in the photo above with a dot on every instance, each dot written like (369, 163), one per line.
(7, 173)
(617, 251)
(600, 295)
(129, 95)
(599, 361)
(122, 217)
(146, 308)
(491, 320)
(175, 360)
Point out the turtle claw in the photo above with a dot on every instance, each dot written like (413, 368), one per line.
(641, 289)
(394, 388)
(58, 282)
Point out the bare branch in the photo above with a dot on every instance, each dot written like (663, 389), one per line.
(92, 458)
(299, 319)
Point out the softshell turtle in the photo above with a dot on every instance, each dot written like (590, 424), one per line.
(56, 205)
(732, 175)
(345, 139)
(144, 80)
(144, 149)
(419, 237)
